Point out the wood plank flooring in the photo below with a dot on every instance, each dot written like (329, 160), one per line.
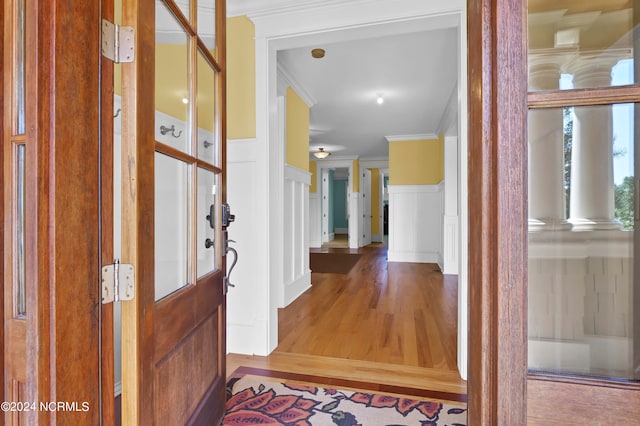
(388, 323)
(396, 313)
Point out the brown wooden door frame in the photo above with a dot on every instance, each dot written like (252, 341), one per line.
(62, 226)
(497, 75)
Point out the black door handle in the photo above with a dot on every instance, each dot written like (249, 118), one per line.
(211, 217)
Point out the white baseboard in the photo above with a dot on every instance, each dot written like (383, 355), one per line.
(377, 238)
(315, 244)
(341, 231)
(295, 288)
(248, 338)
(414, 257)
(332, 236)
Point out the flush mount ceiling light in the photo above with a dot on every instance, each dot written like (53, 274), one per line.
(317, 53)
(321, 153)
(380, 99)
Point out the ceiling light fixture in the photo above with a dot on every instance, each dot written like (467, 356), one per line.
(380, 100)
(321, 153)
(317, 53)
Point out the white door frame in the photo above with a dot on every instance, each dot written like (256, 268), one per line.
(365, 196)
(332, 21)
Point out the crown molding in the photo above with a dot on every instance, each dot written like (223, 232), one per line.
(406, 138)
(287, 79)
(262, 8)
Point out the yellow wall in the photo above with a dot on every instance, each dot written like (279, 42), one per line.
(172, 83)
(375, 201)
(241, 78)
(419, 162)
(206, 94)
(297, 131)
(313, 168)
(356, 176)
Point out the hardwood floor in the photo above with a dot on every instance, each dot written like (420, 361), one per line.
(388, 323)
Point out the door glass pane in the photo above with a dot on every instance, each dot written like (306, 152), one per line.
(20, 69)
(207, 221)
(581, 241)
(20, 305)
(184, 6)
(207, 24)
(171, 225)
(171, 83)
(590, 44)
(208, 145)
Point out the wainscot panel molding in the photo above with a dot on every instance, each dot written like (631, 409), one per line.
(297, 275)
(450, 245)
(415, 223)
(247, 317)
(315, 209)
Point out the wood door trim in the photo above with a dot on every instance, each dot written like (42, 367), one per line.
(582, 97)
(580, 403)
(2, 197)
(107, 361)
(138, 215)
(497, 212)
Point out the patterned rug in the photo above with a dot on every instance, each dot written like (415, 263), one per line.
(257, 400)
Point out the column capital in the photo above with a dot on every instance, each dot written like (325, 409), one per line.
(594, 70)
(544, 72)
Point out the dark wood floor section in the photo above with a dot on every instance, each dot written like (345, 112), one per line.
(395, 313)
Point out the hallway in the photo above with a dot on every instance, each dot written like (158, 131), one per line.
(390, 323)
(397, 313)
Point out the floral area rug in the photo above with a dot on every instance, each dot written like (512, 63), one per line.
(255, 400)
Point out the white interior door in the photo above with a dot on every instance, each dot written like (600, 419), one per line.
(325, 205)
(366, 204)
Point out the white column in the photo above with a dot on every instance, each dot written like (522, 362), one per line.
(547, 205)
(592, 190)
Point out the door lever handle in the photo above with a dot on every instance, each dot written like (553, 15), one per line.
(227, 279)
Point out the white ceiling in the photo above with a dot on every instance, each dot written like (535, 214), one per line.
(415, 73)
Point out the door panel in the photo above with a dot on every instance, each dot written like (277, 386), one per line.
(174, 330)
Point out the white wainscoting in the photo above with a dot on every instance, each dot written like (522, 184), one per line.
(315, 228)
(246, 313)
(415, 223)
(297, 276)
(450, 246)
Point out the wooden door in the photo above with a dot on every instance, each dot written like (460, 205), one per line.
(14, 156)
(173, 333)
